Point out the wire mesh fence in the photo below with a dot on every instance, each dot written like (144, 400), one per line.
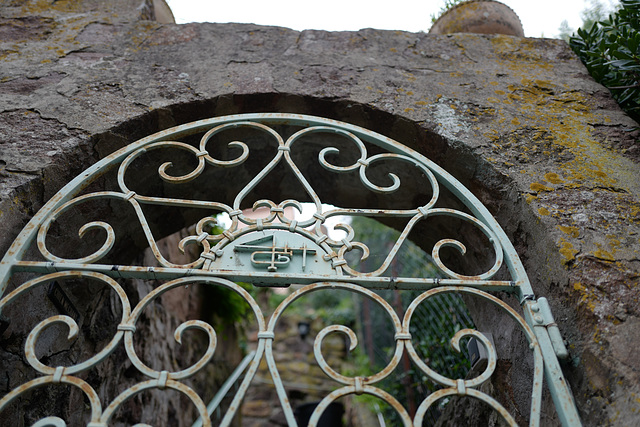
(433, 324)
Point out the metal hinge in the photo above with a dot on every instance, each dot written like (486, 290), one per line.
(542, 317)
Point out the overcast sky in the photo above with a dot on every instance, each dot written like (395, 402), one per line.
(539, 17)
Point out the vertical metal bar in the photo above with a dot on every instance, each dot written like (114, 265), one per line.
(552, 329)
(277, 382)
(560, 392)
(237, 400)
(235, 375)
(406, 362)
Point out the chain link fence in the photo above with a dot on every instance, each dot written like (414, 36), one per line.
(433, 324)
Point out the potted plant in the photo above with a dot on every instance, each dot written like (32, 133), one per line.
(477, 16)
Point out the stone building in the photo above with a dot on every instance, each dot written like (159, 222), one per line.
(518, 121)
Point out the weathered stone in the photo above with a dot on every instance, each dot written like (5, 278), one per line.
(295, 367)
(518, 121)
(256, 408)
(27, 28)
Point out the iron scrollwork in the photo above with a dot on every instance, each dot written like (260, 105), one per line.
(277, 248)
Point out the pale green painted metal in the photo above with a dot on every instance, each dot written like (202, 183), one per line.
(277, 250)
(224, 389)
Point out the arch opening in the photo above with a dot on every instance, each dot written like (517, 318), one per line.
(334, 147)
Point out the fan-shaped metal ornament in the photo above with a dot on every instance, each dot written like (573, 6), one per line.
(276, 248)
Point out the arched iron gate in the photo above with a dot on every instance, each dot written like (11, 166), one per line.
(276, 249)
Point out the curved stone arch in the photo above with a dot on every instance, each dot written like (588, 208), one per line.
(518, 281)
(85, 150)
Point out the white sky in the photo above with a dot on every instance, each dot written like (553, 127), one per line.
(539, 17)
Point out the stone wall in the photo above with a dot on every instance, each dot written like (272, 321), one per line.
(517, 120)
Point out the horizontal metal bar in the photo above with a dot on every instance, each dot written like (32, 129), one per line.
(264, 279)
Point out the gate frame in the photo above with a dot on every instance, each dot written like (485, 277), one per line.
(537, 314)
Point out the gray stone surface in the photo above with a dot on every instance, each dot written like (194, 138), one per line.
(518, 121)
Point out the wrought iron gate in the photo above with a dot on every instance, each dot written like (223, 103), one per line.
(310, 158)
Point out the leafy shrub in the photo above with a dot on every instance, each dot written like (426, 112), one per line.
(611, 52)
(448, 4)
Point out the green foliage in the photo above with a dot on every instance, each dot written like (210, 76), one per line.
(226, 305)
(334, 307)
(274, 299)
(436, 347)
(448, 4)
(596, 12)
(359, 364)
(611, 52)
(216, 229)
(434, 322)
(223, 303)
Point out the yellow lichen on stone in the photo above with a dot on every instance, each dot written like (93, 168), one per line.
(586, 297)
(553, 178)
(603, 255)
(567, 252)
(562, 116)
(571, 231)
(536, 187)
(35, 7)
(613, 242)
(543, 211)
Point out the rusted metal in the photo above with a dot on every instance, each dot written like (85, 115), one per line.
(161, 383)
(458, 391)
(371, 282)
(361, 389)
(277, 250)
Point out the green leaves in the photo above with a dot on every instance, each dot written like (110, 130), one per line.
(610, 50)
(448, 4)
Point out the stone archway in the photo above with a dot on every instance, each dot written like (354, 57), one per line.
(516, 120)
